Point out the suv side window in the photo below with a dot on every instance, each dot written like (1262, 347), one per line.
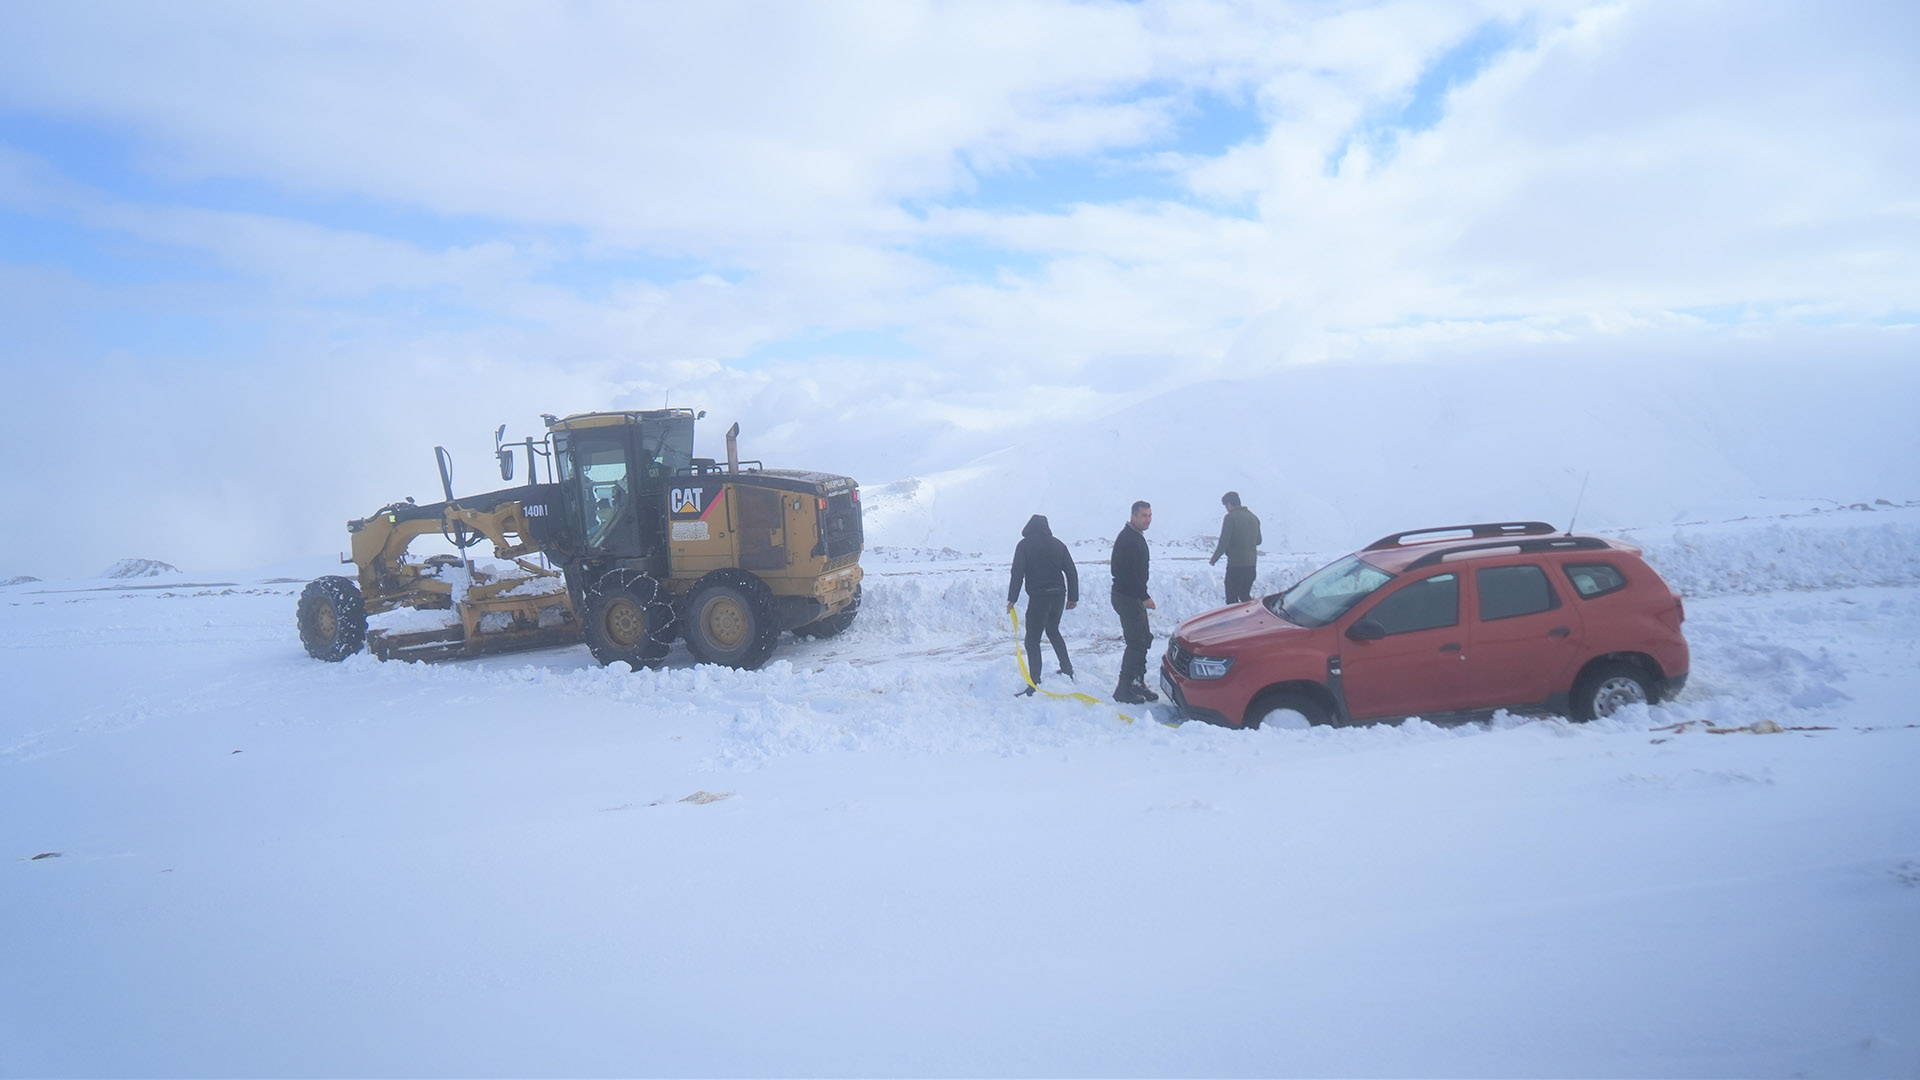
(1507, 591)
(1595, 579)
(1423, 605)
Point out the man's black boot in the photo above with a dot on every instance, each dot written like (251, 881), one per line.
(1125, 694)
(1146, 695)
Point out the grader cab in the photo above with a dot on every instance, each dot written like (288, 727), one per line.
(629, 544)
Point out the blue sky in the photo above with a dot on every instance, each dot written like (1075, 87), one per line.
(111, 162)
(1424, 104)
(118, 162)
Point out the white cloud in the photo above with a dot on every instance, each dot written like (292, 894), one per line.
(1615, 167)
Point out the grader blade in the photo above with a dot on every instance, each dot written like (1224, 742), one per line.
(451, 644)
(426, 645)
(488, 626)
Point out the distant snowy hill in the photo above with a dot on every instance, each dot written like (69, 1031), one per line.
(1333, 456)
(138, 568)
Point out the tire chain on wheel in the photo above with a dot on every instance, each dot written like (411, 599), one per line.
(766, 629)
(342, 596)
(656, 608)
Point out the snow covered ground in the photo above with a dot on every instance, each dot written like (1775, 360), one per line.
(219, 857)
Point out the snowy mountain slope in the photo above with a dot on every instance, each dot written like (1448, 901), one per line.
(1333, 456)
(868, 858)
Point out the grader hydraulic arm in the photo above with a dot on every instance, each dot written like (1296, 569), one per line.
(380, 543)
(497, 612)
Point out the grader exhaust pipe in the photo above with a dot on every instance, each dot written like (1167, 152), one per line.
(733, 448)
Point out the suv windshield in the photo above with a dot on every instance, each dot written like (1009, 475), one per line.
(1329, 592)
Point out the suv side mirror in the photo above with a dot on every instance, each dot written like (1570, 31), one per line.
(1366, 630)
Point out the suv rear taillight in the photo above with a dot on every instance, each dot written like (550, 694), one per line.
(1676, 614)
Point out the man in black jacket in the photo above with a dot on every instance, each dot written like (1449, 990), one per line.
(1132, 602)
(1044, 565)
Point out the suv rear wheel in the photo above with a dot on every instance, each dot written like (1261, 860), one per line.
(1606, 688)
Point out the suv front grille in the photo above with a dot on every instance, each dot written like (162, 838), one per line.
(1180, 657)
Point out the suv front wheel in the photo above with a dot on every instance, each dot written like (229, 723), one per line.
(1286, 709)
(1606, 688)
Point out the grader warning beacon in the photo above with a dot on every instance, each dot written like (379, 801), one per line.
(642, 544)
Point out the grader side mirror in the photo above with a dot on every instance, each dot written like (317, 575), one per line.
(445, 461)
(505, 455)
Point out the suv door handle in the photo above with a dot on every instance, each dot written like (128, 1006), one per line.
(1559, 631)
(1451, 646)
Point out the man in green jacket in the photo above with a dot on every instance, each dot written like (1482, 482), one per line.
(1240, 543)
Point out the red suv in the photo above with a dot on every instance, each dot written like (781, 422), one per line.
(1445, 623)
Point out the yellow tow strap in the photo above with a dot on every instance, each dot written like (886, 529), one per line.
(1020, 654)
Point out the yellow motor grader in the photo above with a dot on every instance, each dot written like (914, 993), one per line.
(638, 542)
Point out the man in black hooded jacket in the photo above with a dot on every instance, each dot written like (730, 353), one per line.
(1043, 564)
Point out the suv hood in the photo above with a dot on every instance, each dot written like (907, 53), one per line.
(1228, 629)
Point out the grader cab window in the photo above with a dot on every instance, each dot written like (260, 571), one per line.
(604, 488)
(666, 447)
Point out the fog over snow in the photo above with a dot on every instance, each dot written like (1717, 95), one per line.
(1377, 266)
(892, 242)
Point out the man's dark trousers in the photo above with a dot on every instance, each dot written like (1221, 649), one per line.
(1043, 616)
(1239, 584)
(1133, 623)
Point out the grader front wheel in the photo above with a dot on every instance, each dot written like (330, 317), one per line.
(332, 618)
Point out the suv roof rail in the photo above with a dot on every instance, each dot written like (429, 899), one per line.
(1485, 530)
(1552, 543)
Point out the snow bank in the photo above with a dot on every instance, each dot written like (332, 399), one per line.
(1830, 551)
(1332, 456)
(910, 602)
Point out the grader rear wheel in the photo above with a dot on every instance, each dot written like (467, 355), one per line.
(730, 620)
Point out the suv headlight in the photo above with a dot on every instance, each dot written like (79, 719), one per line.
(1208, 667)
